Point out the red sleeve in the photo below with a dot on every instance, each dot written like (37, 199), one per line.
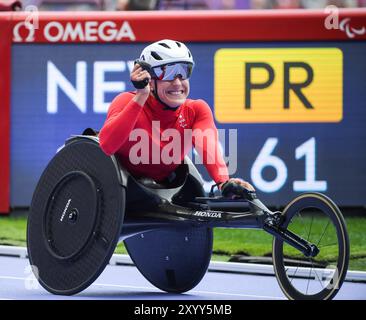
(205, 140)
(121, 119)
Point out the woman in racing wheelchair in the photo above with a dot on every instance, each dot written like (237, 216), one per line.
(161, 78)
(85, 202)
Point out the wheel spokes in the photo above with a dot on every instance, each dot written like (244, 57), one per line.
(310, 278)
(323, 233)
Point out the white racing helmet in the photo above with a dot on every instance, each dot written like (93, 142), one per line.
(167, 59)
(165, 52)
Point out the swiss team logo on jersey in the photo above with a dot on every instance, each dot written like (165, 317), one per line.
(182, 121)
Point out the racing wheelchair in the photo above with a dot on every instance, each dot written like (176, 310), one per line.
(85, 203)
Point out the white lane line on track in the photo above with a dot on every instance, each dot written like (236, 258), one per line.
(157, 290)
(12, 278)
(194, 291)
(240, 295)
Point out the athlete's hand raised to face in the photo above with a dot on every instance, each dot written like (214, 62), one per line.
(137, 75)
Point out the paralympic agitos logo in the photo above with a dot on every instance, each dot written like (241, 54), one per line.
(82, 31)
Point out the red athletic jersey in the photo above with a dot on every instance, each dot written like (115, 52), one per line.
(133, 132)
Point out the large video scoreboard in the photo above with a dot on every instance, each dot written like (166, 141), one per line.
(288, 95)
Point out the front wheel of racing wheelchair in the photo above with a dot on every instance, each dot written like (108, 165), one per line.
(319, 275)
(85, 203)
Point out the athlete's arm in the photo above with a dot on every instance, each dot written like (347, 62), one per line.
(209, 149)
(123, 113)
(121, 119)
(205, 141)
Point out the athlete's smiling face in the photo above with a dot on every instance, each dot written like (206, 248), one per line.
(172, 93)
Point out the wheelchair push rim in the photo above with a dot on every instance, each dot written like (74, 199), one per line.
(316, 218)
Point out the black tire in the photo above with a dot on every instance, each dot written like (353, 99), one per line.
(325, 273)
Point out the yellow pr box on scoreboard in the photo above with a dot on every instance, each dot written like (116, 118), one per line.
(274, 85)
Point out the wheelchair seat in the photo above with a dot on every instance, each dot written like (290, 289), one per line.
(175, 180)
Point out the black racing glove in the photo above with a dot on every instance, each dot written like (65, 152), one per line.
(233, 190)
(140, 84)
(143, 83)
